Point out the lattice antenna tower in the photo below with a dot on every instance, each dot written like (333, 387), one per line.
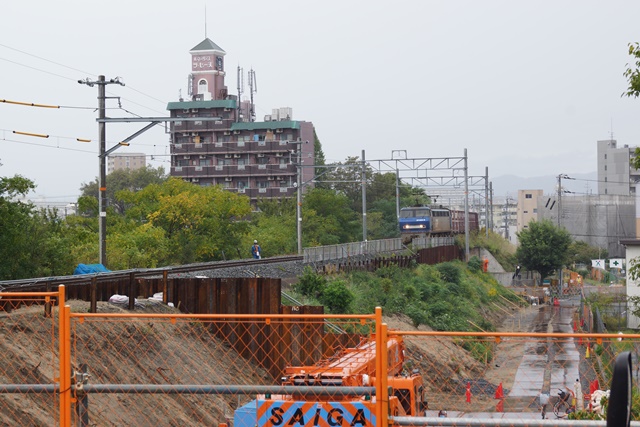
(253, 88)
(240, 91)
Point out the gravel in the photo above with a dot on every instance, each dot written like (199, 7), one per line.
(282, 270)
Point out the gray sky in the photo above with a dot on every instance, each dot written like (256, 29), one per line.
(527, 87)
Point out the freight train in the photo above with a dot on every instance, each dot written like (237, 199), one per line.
(423, 221)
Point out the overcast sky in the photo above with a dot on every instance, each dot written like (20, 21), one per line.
(527, 87)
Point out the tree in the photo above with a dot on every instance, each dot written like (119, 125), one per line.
(124, 179)
(32, 243)
(188, 223)
(582, 253)
(543, 247)
(632, 73)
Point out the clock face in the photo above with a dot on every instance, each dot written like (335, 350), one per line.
(218, 63)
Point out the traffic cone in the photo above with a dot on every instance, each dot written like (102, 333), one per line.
(499, 392)
(586, 356)
(500, 406)
(468, 393)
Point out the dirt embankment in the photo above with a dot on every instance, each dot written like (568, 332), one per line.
(141, 352)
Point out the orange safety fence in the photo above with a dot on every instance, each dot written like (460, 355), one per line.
(156, 366)
(29, 362)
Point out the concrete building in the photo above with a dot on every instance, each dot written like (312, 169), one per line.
(130, 161)
(599, 220)
(527, 210)
(615, 173)
(227, 147)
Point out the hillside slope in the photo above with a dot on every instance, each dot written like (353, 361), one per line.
(143, 351)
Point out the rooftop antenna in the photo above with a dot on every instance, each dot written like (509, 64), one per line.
(205, 20)
(240, 91)
(253, 87)
(611, 131)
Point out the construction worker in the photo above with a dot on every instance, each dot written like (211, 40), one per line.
(255, 250)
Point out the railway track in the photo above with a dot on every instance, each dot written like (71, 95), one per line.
(25, 284)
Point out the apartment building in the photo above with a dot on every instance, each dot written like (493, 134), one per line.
(131, 161)
(616, 176)
(219, 143)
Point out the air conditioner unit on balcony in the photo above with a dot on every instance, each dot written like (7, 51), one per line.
(228, 179)
(227, 109)
(269, 178)
(194, 133)
(278, 130)
(185, 134)
(236, 156)
(227, 156)
(186, 157)
(260, 155)
(226, 132)
(195, 180)
(186, 110)
(279, 154)
(236, 132)
(194, 110)
(202, 157)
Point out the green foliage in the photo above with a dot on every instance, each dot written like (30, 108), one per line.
(310, 283)
(417, 314)
(337, 297)
(124, 179)
(543, 247)
(580, 252)
(475, 264)
(450, 272)
(32, 242)
(501, 249)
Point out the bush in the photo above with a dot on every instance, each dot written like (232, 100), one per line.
(475, 264)
(310, 284)
(450, 272)
(417, 315)
(337, 298)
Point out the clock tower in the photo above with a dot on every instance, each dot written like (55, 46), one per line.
(206, 81)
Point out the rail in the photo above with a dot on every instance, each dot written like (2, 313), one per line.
(25, 284)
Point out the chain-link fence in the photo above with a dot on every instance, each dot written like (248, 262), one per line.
(158, 367)
(29, 365)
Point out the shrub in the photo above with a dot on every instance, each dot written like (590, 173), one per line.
(475, 264)
(337, 297)
(417, 315)
(450, 272)
(310, 284)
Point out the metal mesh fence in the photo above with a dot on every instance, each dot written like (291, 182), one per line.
(205, 363)
(29, 329)
(164, 368)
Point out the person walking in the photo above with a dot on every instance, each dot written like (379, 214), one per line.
(256, 250)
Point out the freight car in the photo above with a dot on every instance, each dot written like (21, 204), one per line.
(422, 221)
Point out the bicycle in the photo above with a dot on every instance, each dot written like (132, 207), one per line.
(564, 405)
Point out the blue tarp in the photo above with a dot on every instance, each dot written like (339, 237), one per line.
(90, 268)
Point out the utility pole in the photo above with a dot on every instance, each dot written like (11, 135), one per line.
(102, 181)
(486, 200)
(364, 198)
(299, 197)
(559, 199)
(466, 207)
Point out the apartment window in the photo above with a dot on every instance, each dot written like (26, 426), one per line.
(605, 156)
(535, 210)
(262, 160)
(526, 212)
(528, 196)
(605, 167)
